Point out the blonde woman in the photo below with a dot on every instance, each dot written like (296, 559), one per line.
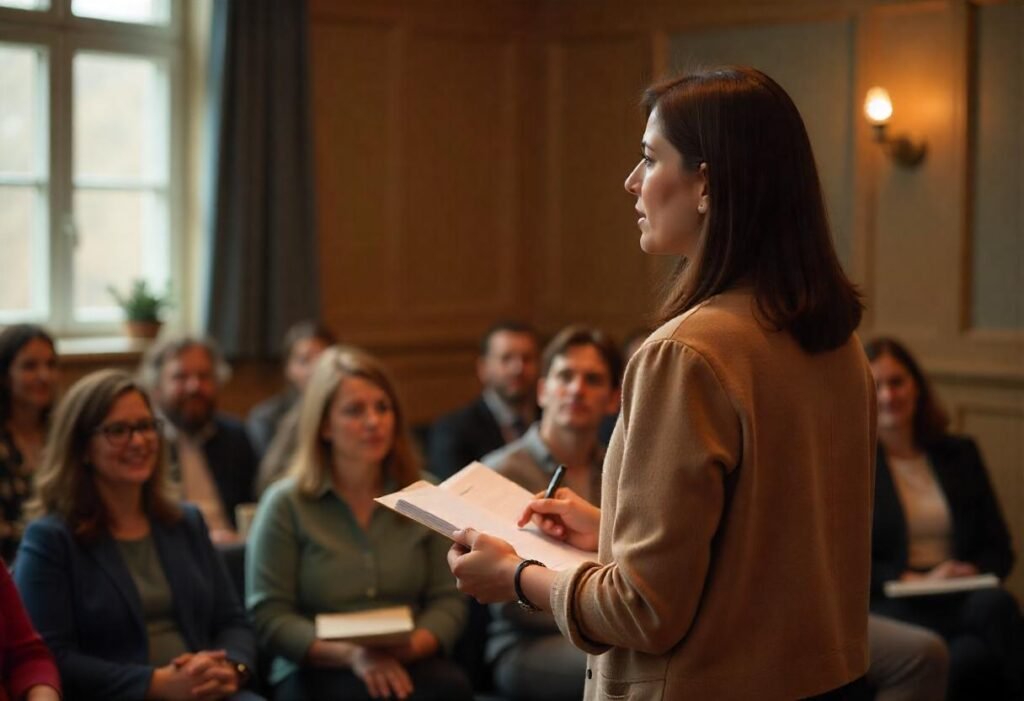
(320, 544)
(123, 583)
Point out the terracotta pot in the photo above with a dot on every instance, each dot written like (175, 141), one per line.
(142, 329)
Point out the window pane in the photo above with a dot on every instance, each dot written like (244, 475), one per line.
(21, 121)
(26, 4)
(120, 118)
(23, 242)
(121, 237)
(137, 11)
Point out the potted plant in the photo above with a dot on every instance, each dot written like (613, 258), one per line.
(143, 307)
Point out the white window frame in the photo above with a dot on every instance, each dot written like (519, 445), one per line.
(62, 35)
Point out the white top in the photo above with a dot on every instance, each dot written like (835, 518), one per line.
(929, 526)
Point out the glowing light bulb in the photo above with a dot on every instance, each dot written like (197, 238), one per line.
(878, 106)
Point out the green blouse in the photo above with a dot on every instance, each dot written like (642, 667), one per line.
(309, 555)
(143, 562)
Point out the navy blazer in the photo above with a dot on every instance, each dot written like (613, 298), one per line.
(464, 435)
(980, 535)
(232, 462)
(84, 603)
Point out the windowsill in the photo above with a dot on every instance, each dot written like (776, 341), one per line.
(101, 348)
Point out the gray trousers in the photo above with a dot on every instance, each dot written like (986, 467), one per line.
(543, 668)
(908, 662)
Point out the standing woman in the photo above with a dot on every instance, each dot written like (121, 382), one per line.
(28, 388)
(733, 539)
(122, 582)
(320, 544)
(937, 517)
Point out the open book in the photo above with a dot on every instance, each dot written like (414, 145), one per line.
(478, 497)
(373, 628)
(895, 589)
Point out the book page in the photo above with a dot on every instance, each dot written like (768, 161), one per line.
(896, 589)
(479, 498)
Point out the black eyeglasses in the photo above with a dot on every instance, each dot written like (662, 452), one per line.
(119, 433)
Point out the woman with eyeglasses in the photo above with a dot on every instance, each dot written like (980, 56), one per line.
(28, 389)
(122, 582)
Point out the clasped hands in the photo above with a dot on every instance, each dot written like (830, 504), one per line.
(204, 675)
(484, 565)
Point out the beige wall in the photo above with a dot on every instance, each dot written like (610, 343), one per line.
(471, 155)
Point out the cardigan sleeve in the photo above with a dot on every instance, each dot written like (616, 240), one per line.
(990, 550)
(26, 660)
(231, 630)
(44, 584)
(271, 580)
(681, 436)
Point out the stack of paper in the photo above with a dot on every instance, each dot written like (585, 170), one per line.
(478, 497)
(372, 628)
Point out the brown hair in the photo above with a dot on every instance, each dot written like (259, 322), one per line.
(65, 484)
(159, 353)
(767, 224)
(305, 330)
(312, 464)
(12, 339)
(579, 335)
(930, 419)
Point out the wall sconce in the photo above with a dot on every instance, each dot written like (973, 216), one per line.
(878, 110)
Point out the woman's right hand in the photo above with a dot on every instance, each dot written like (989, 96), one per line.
(566, 516)
(384, 676)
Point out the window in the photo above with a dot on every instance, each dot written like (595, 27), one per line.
(89, 144)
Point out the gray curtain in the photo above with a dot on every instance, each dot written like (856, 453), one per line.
(262, 274)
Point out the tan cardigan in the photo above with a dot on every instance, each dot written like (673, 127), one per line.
(736, 518)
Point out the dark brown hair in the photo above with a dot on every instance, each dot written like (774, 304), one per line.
(12, 339)
(930, 419)
(305, 330)
(311, 465)
(65, 484)
(506, 326)
(767, 224)
(579, 335)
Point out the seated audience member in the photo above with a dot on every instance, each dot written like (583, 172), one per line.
(907, 662)
(579, 386)
(936, 517)
(212, 460)
(27, 670)
(28, 388)
(507, 369)
(319, 544)
(303, 344)
(122, 582)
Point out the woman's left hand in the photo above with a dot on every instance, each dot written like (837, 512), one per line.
(422, 643)
(484, 566)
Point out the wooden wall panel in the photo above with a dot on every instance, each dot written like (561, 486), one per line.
(919, 215)
(590, 257)
(355, 67)
(459, 242)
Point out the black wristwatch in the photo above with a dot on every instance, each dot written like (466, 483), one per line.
(524, 603)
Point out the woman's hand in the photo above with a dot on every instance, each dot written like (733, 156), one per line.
(42, 692)
(484, 566)
(567, 516)
(422, 643)
(212, 675)
(950, 569)
(383, 675)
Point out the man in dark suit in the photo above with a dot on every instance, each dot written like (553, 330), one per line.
(213, 461)
(507, 369)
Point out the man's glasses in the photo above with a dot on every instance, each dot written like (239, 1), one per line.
(119, 433)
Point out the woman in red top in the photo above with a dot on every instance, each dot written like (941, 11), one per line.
(27, 670)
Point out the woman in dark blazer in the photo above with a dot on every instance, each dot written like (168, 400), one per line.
(936, 517)
(122, 583)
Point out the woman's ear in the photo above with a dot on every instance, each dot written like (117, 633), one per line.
(704, 201)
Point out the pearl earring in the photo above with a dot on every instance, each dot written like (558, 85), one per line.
(702, 208)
